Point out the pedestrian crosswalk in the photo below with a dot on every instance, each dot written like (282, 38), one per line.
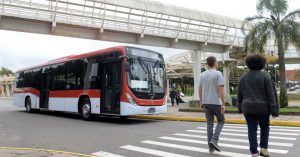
(193, 142)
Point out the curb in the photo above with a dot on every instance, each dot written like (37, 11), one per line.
(230, 121)
(48, 150)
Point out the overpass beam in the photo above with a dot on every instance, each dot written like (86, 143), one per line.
(100, 33)
(196, 55)
(139, 38)
(53, 28)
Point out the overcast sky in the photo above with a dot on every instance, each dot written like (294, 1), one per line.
(18, 50)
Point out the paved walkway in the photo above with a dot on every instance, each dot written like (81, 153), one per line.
(173, 111)
(27, 152)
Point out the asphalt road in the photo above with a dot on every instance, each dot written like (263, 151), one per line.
(130, 138)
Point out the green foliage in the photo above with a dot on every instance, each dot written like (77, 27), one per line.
(272, 23)
(271, 69)
(183, 83)
(6, 72)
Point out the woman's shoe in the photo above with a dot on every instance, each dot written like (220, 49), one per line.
(254, 155)
(264, 152)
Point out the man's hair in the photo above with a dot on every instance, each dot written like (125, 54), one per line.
(211, 61)
(255, 61)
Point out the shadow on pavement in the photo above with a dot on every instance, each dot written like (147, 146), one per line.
(98, 118)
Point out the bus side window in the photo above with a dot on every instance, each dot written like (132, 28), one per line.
(92, 76)
(75, 75)
(20, 80)
(59, 79)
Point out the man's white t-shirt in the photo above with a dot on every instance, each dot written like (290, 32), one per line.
(210, 80)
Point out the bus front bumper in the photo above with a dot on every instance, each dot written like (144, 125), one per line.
(128, 109)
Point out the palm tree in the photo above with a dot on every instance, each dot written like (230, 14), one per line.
(273, 23)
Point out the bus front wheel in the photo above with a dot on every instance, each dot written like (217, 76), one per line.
(86, 113)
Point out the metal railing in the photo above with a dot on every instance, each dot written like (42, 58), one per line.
(99, 14)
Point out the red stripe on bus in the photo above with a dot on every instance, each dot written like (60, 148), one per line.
(27, 90)
(92, 93)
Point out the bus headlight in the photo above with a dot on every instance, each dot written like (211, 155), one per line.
(130, 99)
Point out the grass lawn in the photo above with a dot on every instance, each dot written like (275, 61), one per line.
(282, 110)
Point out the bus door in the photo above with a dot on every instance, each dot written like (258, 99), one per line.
(111, 87)
(44, 93)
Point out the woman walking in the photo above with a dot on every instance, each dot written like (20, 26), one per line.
(257, 101)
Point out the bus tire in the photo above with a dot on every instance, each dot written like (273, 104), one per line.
(124, 118)
(86, 111)
(28, 105)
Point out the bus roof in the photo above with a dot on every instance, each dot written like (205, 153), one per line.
(75, 57)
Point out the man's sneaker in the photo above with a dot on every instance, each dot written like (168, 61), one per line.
(215, 146)
(211, 149)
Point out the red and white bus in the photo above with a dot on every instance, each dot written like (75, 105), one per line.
(118, 81)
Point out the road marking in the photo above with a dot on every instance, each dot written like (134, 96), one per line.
(272, 129)
(106, 154)
(279, 151)
(235, 140)
(152, 151)
(244, 135)
(238, 130)
(195, 149)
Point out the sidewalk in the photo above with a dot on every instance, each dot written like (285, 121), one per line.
(29, 152)
(175, 115)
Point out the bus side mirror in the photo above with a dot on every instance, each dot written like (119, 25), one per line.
(127, 67)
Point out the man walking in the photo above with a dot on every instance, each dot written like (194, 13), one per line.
(211, 93)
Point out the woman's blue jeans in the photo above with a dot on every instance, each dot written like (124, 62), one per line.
(253, 120)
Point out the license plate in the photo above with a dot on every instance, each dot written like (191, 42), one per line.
(151, 110)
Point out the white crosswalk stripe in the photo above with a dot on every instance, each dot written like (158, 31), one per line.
(196, 149)
(233, 142)
(106, 154)
(239, 130)
(152, 151)
(221, 144)
(245, 135)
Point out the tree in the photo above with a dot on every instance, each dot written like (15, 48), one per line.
(273, 23)
(183, 83)
(5, 72)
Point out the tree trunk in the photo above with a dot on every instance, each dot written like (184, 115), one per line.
(283, 98)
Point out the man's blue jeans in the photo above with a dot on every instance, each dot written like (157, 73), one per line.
(211, 111)
(253, 120)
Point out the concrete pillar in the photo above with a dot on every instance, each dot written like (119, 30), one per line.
(226, 73)
(197, 71)
(12, 87)
(7, 90)
(2, 91)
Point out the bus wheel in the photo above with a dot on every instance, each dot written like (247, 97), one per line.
(28, 105)
(86, 113)
(123, 118)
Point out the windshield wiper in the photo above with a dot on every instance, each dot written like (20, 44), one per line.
(155, 64)
(142, 63)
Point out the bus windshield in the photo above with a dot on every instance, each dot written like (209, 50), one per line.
(146, 72)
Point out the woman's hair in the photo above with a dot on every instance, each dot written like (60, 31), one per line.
(255, 61)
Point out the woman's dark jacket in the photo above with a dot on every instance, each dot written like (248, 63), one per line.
(257, 94)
